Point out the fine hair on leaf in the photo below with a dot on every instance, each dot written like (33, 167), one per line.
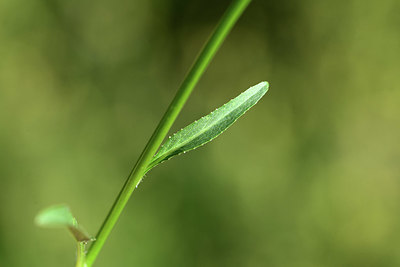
(209, 127)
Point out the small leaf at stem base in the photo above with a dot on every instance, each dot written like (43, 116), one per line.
(60, 216)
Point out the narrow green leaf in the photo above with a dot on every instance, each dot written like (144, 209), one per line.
(207, 128)
(60, 216)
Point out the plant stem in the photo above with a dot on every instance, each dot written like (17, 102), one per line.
(81, 261)
(230, 17)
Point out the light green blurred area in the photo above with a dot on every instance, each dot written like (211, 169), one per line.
(309, 177)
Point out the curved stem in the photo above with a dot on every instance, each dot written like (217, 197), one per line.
(230, 17)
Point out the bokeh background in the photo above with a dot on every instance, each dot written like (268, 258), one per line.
(309, 177)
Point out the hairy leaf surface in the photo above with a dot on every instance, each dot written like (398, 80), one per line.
(209, 127)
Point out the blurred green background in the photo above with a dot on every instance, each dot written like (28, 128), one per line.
(309, 177)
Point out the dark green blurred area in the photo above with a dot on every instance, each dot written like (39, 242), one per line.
(309, 177)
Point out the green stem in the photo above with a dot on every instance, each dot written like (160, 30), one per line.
(230, 17)
(81, 257)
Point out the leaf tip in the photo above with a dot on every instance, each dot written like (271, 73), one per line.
(265, 85)
(54, 216)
